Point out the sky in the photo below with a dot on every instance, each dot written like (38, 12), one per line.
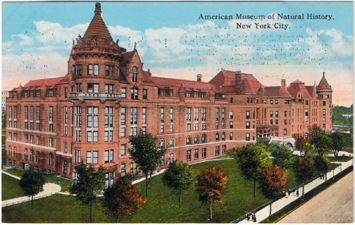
(183, 39)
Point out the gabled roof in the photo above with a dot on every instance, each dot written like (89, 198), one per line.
(36, 84)
(323, 83)
(97, 26)
(127, 56)
(170, 83)
(310, 90)
(297, 86)
(227, 78)
(276, 91)
(146, 77)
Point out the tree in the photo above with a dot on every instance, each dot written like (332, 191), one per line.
(89, 184)
(338, 142)
(314, 131)
(281, 154)
(32, 183)
(303, 145)
(3, 157)
(322, 143)
(251, 160)
(178, 176)
(273, 181)
(146, 154)
(321, 164)
(122, 197)
(303, 167)
(210, 185)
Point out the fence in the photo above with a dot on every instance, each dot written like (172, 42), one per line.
(312, 183)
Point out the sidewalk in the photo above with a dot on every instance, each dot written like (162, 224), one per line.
(48, 190)
(281, 203)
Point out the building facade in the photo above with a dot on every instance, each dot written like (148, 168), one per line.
(4, 95)
(88, 115)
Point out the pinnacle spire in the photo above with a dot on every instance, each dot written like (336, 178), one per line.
(323, 83)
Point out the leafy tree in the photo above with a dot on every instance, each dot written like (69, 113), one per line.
(322, 143)
(273, 181)
(251, 160)
(122, 197)
(281, 154)
(303, 167)
(146, 154)
(32, 183)
(179, 176)
(321, 164)
(314, 131)
(338, 142)
(303, 145)
(90, 183)
(210, 185)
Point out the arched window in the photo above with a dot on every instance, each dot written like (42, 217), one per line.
(188, 140)
(196, 139)
(50, 159)
(134, 74)
(223, 136)
(161, 143)
(171, 142)
(217, 136)
(285, 131)
(203, 138)
(230, 136)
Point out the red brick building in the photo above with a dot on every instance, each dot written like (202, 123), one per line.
(106, 96)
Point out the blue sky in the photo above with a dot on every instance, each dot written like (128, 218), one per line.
(173, 42)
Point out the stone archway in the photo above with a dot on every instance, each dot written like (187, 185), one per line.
(289, 146)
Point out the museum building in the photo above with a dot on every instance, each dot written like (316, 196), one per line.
(88, 115)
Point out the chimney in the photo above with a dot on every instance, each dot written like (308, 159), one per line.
(283, 83)
(239, 80)
(199, 77)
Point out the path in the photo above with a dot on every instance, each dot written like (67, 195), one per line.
(48, 189)
(333, 205)
(281, 203)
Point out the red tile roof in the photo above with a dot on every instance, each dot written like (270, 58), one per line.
(97, 26)
(127, 56)
(323, 83)
(36, 84)
(146, 77)
(276, 91)
(170, 83)
(297, 86)
(310, 90)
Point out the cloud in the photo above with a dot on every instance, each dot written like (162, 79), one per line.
(54, 32)
(165, 38)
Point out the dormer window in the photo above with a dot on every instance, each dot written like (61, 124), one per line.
(171, 92)
(25, 94)
(38, 93)
(50, 93)
(31, 93)
(161, 92)
(134, 74)
(15, 93)
(188, 94)
(203, 94)
(195, 94)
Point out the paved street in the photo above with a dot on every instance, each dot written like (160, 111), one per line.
(333, 205)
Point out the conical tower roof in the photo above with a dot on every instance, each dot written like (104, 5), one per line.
(323, 84)
(97, 26)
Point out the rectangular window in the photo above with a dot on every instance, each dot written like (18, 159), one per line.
(26, 112)
(162, 114)
(123, 150)
(92, 116)
(133, 131)
(50, 142)
(145, 93)
(196, 114)
(37, 140)
(37, 113)
(188, 126)
(161, 128)
(10, 112)
(248, 114)
(108, 156)
(134, 93)
(25, 156)
(107, 70)
(108, 116)
(188, 114)
(224, 149)
(88, 157)
(78, 88)
(31, 113)
(123, 169)
(123, 92)
(247, 137)
(230, 124)
(50, 93)
(247, 125)
(133, 115)
(96, 69)
(65, 147)
(188, 156)
(195, 126)
(144, 115)
(77, 156)
(196, 154)
(108, 88)
(217, 150)
(123, 115)
(271, 113)
(122, 131)
(37, 156)
(26, 138)
(108, 135)
(203, 114)
(204, 153)
(31, 139)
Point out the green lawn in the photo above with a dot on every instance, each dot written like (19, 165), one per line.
(340, 159)
(54, 209)
(52, 178)
(10, 188)
(161, 206)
